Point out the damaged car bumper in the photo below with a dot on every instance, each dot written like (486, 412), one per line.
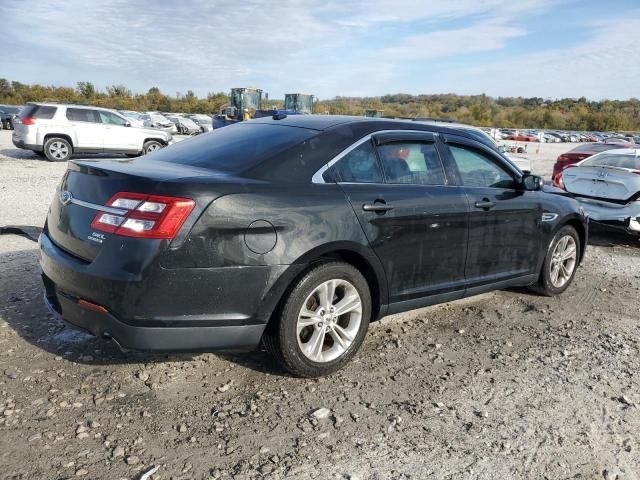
(624, 215)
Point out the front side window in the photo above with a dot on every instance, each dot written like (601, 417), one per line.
(111, 119)
(478, 170)
(411, 163)
(359, 166)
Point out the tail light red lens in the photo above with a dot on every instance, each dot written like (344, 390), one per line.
(28, 121)
(143, 216)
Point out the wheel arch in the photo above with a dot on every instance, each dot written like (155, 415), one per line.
(351, 253)
(580, 227)
(49, 136)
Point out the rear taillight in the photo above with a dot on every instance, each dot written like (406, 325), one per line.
(143, 216)
(28, 121)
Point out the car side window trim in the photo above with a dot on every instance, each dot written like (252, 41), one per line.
(318, 176)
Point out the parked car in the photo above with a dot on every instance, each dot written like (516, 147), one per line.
(619, 139)
(185, 126)
(57, 131)
(204, 121)
(523, 137)
(608, 187)
(134, 118)
(8, 114)
(298, 231)
(159, 121)
(576, 155)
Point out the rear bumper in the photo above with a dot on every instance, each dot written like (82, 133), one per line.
(627, 215)
(20, 143)
(105, 325)
(182, 309)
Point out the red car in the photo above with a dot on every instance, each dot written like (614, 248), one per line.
(577, 154)
(523, 137)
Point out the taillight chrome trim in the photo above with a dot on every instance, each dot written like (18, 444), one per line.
(93, 206)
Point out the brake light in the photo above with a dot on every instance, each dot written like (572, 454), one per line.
(28, 121)
(144, 216)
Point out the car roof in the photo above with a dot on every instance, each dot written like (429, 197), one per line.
(632, 152)
(327, 122)
(72, 105)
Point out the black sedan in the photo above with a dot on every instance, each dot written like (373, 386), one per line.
(297, 231)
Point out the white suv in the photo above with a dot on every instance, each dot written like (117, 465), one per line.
(57, 131)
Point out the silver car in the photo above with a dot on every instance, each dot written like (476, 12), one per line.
(56, 131)
(608, 187)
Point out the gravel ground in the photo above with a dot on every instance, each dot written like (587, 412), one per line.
(504, 385)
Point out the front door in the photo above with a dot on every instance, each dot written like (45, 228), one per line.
(415, 222)
(117, 136)
(504, 220)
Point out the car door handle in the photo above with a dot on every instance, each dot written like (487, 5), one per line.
(485, 204)
(377, 206)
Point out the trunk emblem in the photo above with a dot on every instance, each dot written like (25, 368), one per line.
(603, 173)
(65, 197)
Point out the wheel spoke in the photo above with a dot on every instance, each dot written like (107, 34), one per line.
(342, 333)
(564, 270)
(347, 304)
(316, 343)
(570, 252)
(555, 271)
(326, 292)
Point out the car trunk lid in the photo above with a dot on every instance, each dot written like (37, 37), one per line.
(88, 185)
(611, 183)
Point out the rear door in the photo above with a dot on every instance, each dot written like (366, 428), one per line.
(414, 220)
(88, 129)
(504, 222)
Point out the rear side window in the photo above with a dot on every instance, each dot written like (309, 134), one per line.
(359, 166)
(83, 115)
(414, 163)
(234, 148)
(45, 112)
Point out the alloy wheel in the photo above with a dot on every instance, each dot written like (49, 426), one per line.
(153, 147)
(58, 150)
(563, 261)
(329, 320)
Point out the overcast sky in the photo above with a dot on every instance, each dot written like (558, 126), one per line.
(547, 48)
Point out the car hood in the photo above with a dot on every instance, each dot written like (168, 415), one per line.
(153, 131)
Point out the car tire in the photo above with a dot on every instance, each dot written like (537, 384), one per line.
(57, 149)
(303, 321)
(560, 263)
(151, 146)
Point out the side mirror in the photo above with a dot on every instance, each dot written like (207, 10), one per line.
(532, 182)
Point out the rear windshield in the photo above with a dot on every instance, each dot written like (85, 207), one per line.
(46, 112)
(234, 148)
(630, 161)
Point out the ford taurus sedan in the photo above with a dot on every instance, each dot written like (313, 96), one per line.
(298, 232)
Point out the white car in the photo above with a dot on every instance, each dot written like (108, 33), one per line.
(57, 131)
(607, 185)
(159, 121)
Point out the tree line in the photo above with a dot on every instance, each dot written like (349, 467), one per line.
(480, 110)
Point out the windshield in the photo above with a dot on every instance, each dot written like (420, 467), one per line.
(626, 160)
(188, 122)
(235, 148)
